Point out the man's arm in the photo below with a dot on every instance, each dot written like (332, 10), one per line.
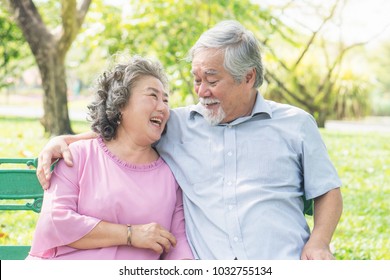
(56, 148)
(327, 213)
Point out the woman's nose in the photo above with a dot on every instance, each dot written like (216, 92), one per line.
(162, 106)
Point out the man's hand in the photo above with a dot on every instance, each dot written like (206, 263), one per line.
(316, 251)
(56, 148)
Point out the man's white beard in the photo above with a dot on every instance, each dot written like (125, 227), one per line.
(214, 118)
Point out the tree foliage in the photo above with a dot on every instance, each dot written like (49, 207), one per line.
(12, 50)
(381, 97)
(302, 66)
(168, 29)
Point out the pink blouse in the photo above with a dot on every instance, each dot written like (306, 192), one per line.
(99, 187)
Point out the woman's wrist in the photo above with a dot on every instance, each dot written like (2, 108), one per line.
(129, 235)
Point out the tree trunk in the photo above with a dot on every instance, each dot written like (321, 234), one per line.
(55, 102)
(321, 118)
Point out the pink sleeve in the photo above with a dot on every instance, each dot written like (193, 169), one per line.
(59, 222)
(182, 249)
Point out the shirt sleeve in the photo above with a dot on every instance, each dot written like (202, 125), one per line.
(320, 175)
(182, 249)
(59, 222)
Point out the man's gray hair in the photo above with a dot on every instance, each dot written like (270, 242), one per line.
(240, 46)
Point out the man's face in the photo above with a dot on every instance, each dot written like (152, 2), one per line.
(223, 98)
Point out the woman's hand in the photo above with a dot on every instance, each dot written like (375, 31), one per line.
(152, 236)
(148, 236)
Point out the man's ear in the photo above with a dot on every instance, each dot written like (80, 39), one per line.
(250, 76)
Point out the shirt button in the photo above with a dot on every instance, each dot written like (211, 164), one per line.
(229, 154)
(235, 239)
(229, 183)
(231, 207)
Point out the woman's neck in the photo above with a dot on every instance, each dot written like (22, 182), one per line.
(130, 152)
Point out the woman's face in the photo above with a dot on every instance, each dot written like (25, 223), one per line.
(147, 112)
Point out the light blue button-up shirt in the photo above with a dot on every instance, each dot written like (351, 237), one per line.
(243, 182)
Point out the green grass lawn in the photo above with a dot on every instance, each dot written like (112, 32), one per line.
(362, 160)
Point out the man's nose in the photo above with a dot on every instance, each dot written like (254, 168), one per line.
(203, 90)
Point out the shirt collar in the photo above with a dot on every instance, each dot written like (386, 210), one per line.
(260, 108)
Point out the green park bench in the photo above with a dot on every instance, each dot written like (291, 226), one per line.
(19, 190)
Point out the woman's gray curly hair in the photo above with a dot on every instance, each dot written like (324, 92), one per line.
(113, 91)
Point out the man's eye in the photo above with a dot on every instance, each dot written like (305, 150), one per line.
(213, 83)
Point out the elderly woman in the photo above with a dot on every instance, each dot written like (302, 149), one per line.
(120, 199)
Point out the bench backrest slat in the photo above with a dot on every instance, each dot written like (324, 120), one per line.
(19, 190)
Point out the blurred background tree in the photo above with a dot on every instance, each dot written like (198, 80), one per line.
(304, 65)
(380, 66)
(310, 70)
(13, 49)
(50, 38)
